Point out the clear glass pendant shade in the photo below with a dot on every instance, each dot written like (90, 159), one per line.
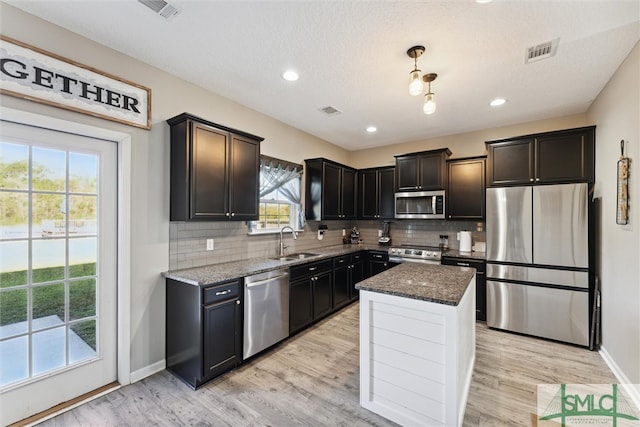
(415, 83)
(429, 106)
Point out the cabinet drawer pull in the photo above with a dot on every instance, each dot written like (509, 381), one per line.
(464, 264)
(313, 268)
(223, 292)
(341, 261)
(377, 256)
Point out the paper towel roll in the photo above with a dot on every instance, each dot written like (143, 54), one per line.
(465, 241)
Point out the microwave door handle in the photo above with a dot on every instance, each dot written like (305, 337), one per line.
(433, 204)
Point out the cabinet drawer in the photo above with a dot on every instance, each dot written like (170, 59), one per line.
(464, 262)
(221, 292)
(378, 256)
(357, 257)
(309, 269)
(340, 261)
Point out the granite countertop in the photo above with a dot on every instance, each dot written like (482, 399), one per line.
(215, 273)
(442, 284)
(473, 255)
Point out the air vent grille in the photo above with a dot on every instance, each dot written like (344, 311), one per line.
(162, 8)
(541, 51)
(330, 111)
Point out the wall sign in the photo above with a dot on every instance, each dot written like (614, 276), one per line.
(622, 206)
(31, 73)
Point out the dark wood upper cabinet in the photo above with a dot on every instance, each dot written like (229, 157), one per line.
(376, 187)
(546, 158)
(466, 188)
(330, 190)
(423, 171)
(214, 171)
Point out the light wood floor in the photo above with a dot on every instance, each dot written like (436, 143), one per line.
(312, 379)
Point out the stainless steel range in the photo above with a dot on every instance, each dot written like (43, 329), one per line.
(413, 253)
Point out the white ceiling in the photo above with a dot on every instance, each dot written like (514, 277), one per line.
(352, 55)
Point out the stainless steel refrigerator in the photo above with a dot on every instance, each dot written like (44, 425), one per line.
(539, 279)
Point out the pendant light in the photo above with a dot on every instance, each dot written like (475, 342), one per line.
(416, 85)
(415, 80)
(429, 106)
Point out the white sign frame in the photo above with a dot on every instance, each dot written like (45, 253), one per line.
(31, 73)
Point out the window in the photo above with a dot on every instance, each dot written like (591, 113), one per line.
(279, 197)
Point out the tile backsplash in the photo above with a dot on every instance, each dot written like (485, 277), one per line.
(188, 240)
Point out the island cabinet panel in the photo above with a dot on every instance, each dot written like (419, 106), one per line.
(547, 158)
(401, 336)
(214, 171)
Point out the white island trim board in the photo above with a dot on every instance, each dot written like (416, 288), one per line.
(416, 357)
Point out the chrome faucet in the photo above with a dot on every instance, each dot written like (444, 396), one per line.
(293, 234)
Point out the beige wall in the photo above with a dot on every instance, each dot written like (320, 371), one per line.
(463, 144)
(616, 112)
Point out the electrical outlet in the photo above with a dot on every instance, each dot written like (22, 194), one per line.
(379, 233)
(344, 232)
(209, 244)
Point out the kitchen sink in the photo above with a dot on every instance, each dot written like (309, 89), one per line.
(296, 256)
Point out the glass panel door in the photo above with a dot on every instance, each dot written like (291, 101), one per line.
(57, 259)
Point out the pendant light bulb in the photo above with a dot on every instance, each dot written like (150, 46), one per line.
(415, 83)
(429, 106)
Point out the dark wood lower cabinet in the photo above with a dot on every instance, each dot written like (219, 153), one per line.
(377, 262)
(204, 323)
(481, 286)
(347, 271)
(321, 288)
(204, 330)
(310, 292)
(300, 305)
(341, 280)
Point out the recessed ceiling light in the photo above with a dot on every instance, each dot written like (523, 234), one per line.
(498, 102)
(372, 129)
(483, 1)
(290, 76)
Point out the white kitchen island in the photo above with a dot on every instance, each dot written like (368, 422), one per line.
(417, 343)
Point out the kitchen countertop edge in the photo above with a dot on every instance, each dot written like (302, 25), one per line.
(442, 284)
(216, 273)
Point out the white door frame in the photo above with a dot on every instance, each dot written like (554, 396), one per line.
(124, 219)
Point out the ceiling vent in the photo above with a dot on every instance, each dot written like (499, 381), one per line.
(162, 8)
(541, 51)
(330, 111)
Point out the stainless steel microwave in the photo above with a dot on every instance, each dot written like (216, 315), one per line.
(420, 205)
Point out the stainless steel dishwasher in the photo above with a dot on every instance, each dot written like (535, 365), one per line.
(266, 310)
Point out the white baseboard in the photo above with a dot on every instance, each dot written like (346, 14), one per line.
(147, 371)
(632, 390)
